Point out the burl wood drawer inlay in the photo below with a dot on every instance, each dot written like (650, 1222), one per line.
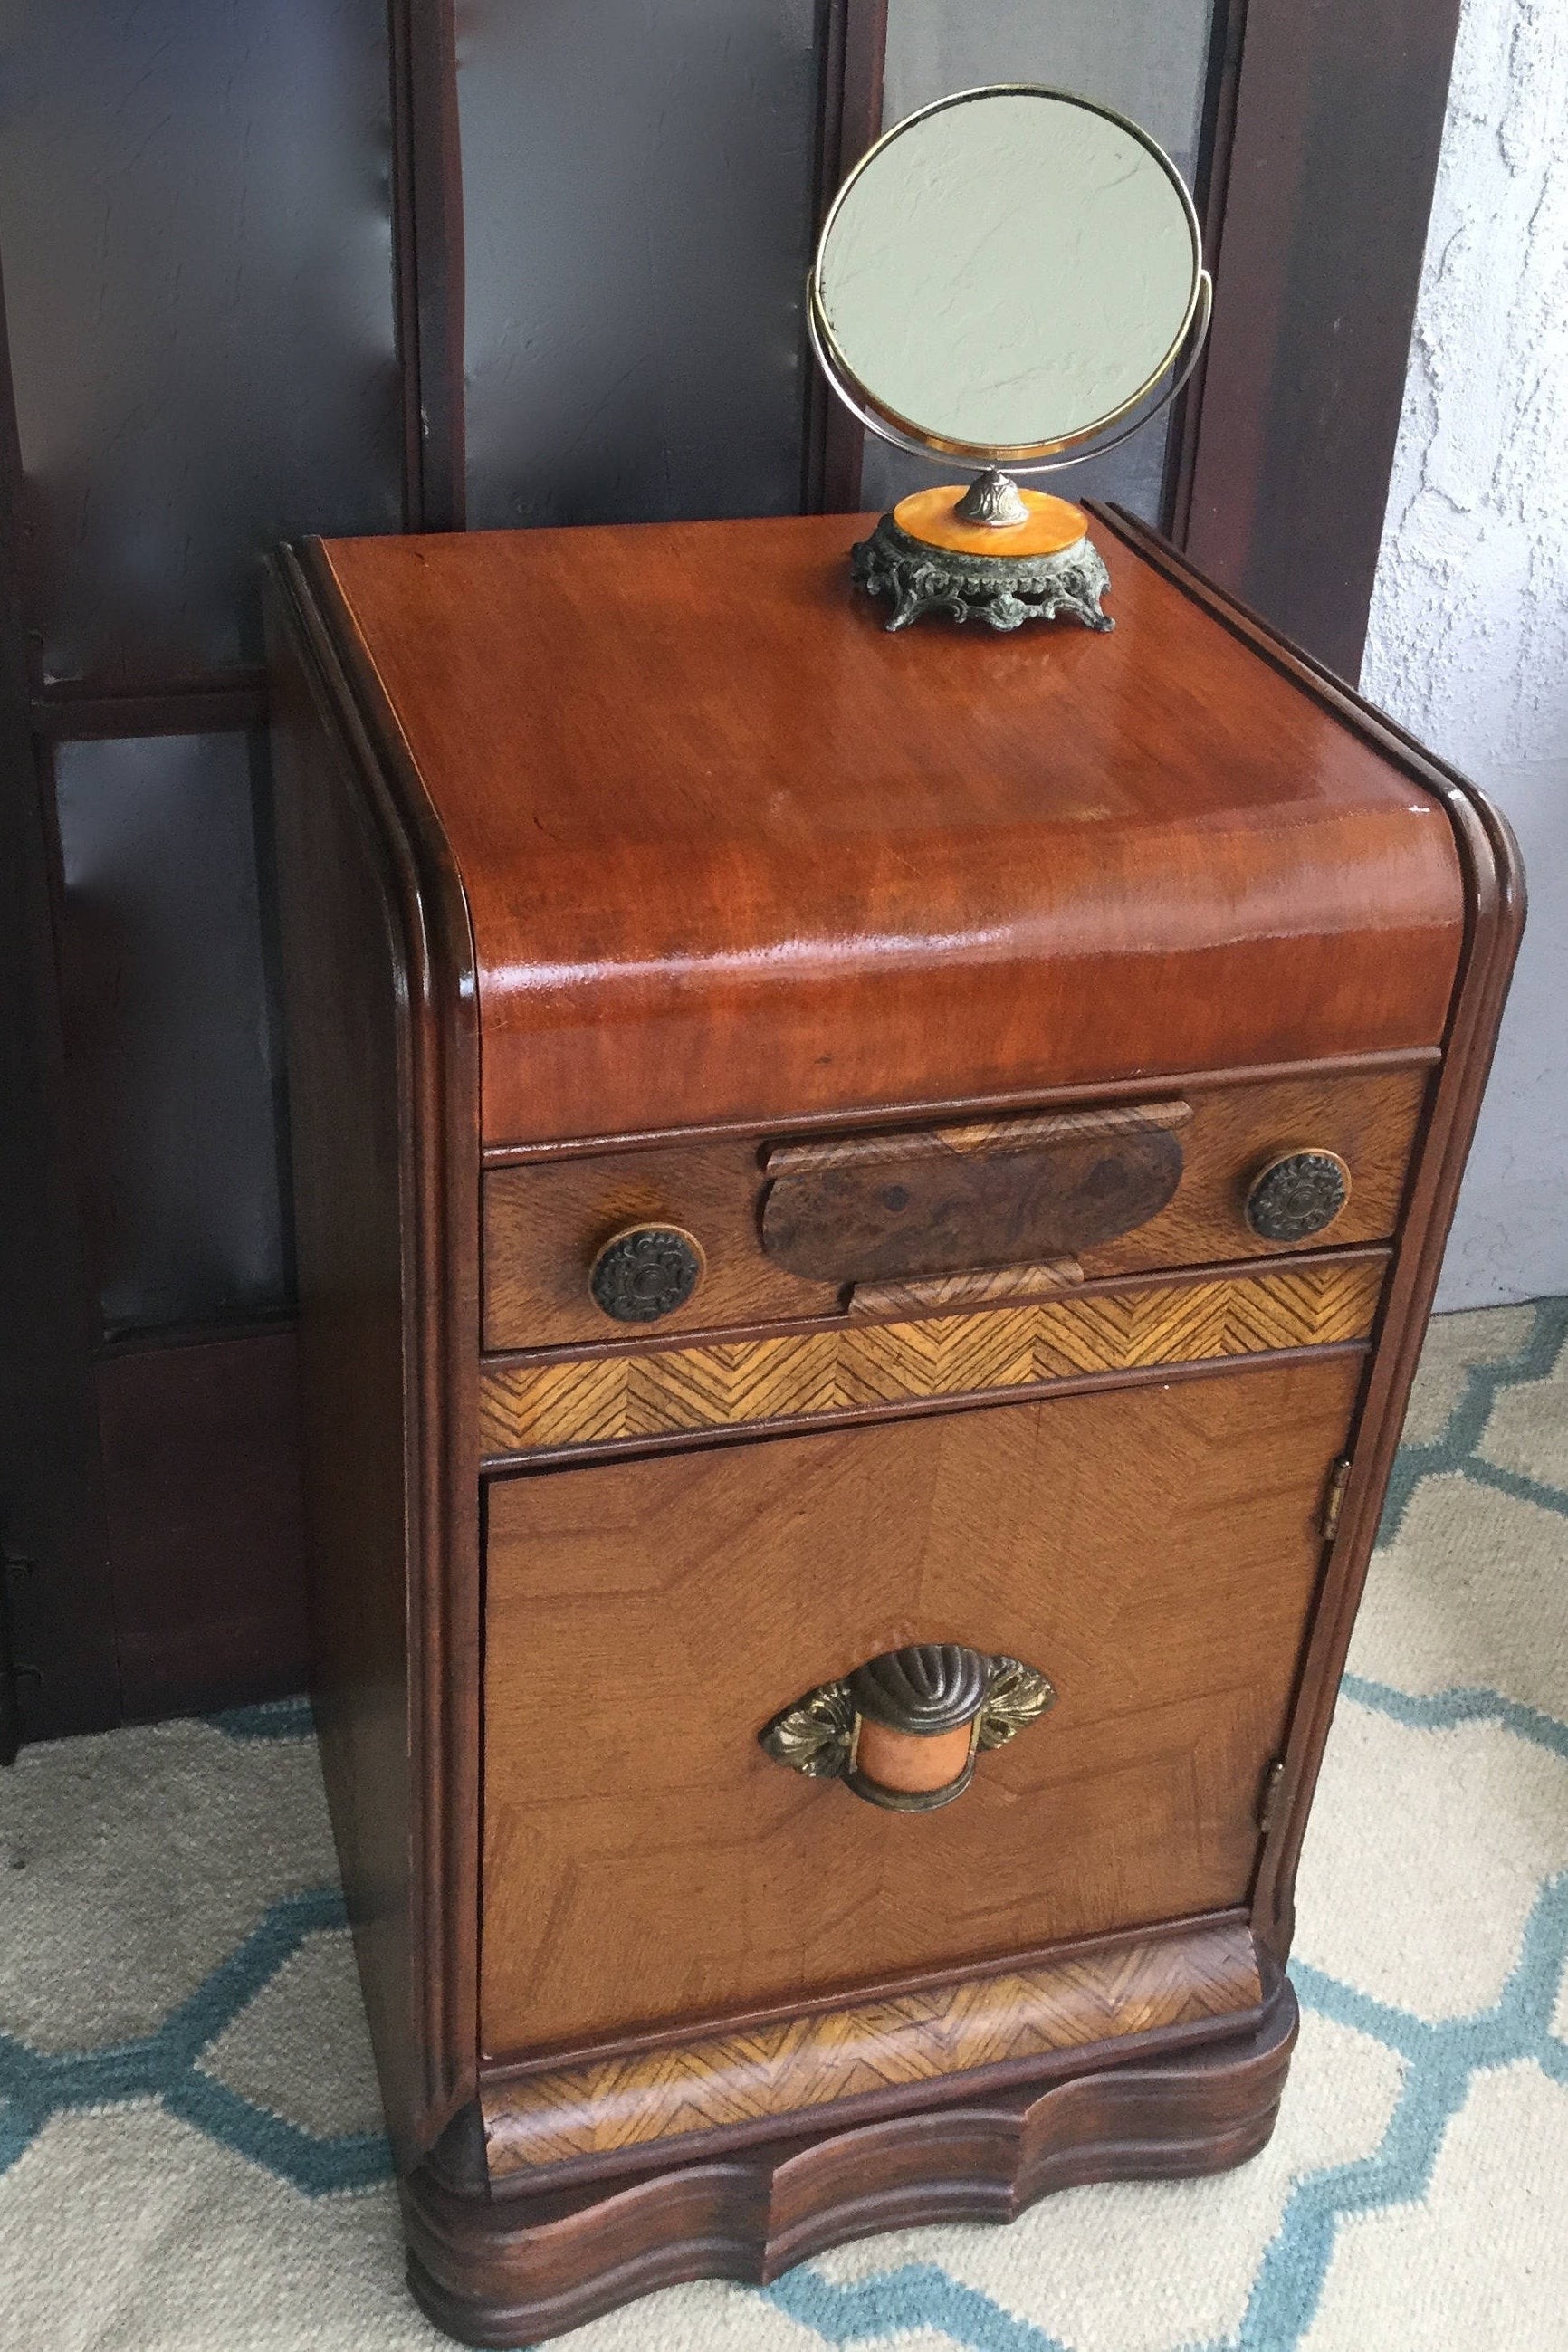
(1006, 1192)
(1069, 2001)
(654, 1392)
(545, 1221)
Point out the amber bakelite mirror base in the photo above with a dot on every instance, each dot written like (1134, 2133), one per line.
(925, 557)
(932, 517)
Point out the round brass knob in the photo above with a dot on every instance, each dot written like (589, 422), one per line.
(1298, 1194)
(646, 1272)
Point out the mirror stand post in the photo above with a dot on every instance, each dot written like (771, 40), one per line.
(992, 498)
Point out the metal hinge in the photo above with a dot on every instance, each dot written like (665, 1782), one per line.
(1269, 1795)
(1333, 1501)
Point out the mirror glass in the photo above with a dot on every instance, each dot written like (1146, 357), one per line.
(1006, 274)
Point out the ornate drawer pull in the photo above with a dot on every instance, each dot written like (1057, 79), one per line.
(959, 1200)
(1297, 1195)
(645, 1272)
(904, 1730)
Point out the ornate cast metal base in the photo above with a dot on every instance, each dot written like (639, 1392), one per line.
(508, 2270)
(1004, 590)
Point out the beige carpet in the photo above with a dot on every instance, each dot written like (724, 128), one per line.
(189, 2154)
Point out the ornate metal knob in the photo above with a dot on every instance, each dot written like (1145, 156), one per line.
(904, 1730)
(1297, 1195)
(646, 1272)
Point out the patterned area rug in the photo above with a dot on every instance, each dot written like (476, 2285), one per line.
(190, 2159)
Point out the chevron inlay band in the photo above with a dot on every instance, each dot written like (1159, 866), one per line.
(656, 1392)
(1130, 1985)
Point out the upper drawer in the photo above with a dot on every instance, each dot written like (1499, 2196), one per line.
(786, 1231)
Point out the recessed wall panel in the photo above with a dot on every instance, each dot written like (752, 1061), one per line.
(171, 1054)
(194, 221)
(637, 182)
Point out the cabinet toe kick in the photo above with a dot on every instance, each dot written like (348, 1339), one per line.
(733, 2084)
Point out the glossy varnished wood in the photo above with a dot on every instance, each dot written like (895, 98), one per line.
(1026, 879)
(508, 2270)
(545, 1225)
(829, 869)
(948, 1200)
(382, 1098)
(544, 1221)
(1153, 1552)
(930, 1294)
(865, 1365)
(883, 2052)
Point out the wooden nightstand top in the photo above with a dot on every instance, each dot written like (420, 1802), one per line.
(731, 852)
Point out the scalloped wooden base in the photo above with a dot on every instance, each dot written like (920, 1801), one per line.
(508, 2270)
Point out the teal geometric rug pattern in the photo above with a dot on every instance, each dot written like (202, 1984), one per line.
(190, 2156)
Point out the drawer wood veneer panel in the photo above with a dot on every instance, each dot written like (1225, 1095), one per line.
(890, 1208)
(544, 1220)
(727, 2079)
(654, 1392)
(648, 1866)
(545, 1223)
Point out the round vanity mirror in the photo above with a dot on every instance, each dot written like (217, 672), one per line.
(1009, 276)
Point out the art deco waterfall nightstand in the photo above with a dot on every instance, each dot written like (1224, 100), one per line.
(866, 1209)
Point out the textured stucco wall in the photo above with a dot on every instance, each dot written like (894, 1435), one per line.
(1469, 644)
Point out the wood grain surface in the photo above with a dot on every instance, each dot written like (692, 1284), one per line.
(928, 1294)
(998, 1192)
(985, 1141)
(383, 1120)
(654, 1391)
(831, 869)
(783, 2066)
(836, 882)
(1153, 1551)
(505, 2269)
(544, 1220)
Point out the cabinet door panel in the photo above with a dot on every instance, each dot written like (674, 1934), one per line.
(1153, 1550)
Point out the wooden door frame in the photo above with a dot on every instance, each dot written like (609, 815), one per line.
(1327, 125)
(1322, 120)
(57, 1649)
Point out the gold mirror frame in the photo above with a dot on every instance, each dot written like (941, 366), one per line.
(1020, 457)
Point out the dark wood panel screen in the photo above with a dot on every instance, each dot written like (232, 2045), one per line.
(56, 1622)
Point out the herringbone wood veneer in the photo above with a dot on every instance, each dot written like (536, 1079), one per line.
(655, 1392)
(1130, 1986)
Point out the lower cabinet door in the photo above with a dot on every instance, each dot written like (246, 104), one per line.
(1152, 1551)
